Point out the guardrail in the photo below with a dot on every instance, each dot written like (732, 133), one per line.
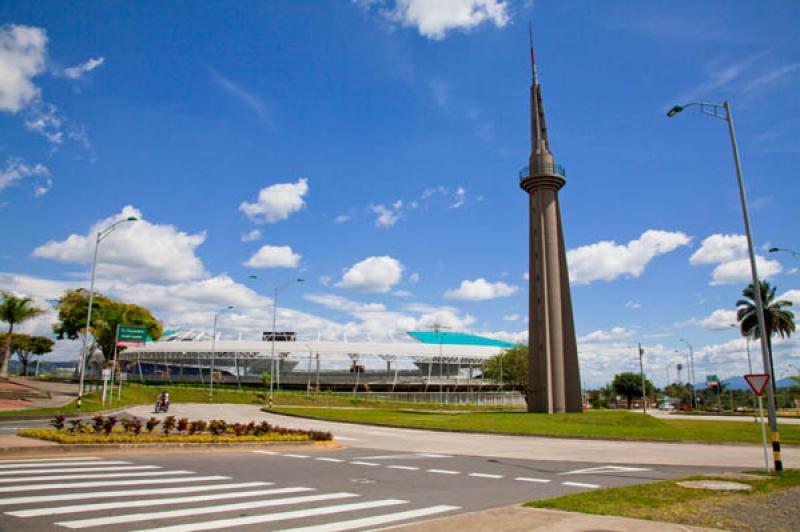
(542, 168)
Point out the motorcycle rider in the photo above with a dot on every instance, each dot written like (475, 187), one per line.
(163, 401)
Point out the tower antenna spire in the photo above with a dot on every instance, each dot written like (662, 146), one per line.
(533, 58)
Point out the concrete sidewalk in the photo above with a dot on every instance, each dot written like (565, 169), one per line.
(521, 519)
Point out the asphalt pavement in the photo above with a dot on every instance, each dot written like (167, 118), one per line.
(315, 488)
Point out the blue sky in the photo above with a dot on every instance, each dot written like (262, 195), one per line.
(372, 148)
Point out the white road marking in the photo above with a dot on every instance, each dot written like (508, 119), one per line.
(433, 455)
(375, 520)
(409, 456)
(47, 460)
(485, 475)
(606, 469)
(150, 516)
(4, 465)
(99, 484)
(281, 516)
(443, 471)
(272, 453)
(580, 485)
(92, 475)
(76, 470)
(403, 467)
(358, 462)
(326, 459)
(529, 479)
(345, 438)
(35, 499)
(296, 455)
(37, 512)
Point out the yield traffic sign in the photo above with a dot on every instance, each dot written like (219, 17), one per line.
(757, 382)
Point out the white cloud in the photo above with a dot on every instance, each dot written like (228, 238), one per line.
(608, 260)
(243, 95)
(44, 118)
(16, 170)
(137, 251)
(342, 218)
(511, 317)
(480, 290)
(526, 276)
(719, 248)
(251, 236)
(459, 198)
(435, 19)
(276, 202)
(729, 253)
(22, 57)
(387, 216)
(413, 278)
(325, 280)
(428, 192)
(334, 302)
(719, 320)
(373, 274)
(274, 257)
(402, 293)
(633, 305)
(78, 71)
(601, 335)
(738, 271)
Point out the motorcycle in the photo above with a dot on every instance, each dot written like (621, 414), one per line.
(161, 405)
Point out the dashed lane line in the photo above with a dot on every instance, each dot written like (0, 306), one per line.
(484, 475)
(326, 459)
(296, 455)
(580, 485)
(529, 479)
(359, 462)
(403, 467)
(443, 471)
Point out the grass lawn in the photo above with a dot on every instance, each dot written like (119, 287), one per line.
(136, 394)
(592, 424)
(666, 501)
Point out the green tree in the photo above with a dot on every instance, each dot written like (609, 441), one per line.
(13, 310)
(25, 346)
(107, 313)
(514, 364)
(629, 385)
(778, 320)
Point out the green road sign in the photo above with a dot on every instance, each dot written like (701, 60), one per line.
(132, 334)
(712, 380)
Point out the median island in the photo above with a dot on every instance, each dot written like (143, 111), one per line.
(111, 430)
(596, 424)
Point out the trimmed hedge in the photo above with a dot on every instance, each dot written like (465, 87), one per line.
(105, 430)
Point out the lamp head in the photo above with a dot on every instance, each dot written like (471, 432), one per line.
(675, 110)
(300, 280)
(131, 219)
(774, 250)
(253, 276)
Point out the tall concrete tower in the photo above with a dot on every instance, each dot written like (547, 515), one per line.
(554, 382)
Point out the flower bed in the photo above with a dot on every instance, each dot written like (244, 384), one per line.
(105, 429)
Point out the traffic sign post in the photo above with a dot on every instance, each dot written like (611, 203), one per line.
(758, 383)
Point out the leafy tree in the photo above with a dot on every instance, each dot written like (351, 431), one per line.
(629, 385)
(778, 320)
(107, 313)
(514, 363)
(25, 346)
(13, 310)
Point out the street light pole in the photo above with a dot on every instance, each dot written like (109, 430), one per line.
(213, 346)
(644, 386)
(713, 109)
(690, 370)
(82, 357)
(795, 254)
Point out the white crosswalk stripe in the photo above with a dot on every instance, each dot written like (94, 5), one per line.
(107, 483)
(48, 460)
(72, 462)
(181, 507)
(58, 510)
(76, 470)
(151, 516)
(36, 499)
(375, 520)
(282, 516)
(103, 475)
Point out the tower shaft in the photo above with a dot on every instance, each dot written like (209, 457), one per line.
(553, 373)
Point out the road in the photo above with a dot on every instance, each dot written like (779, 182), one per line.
(376, 477)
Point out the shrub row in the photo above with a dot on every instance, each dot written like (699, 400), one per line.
(218, 428)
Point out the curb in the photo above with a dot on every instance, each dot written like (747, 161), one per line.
(82, 448)
(518, 435)
(46, 417)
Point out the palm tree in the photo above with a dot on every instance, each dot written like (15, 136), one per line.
(13, 310)
(778, 321)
